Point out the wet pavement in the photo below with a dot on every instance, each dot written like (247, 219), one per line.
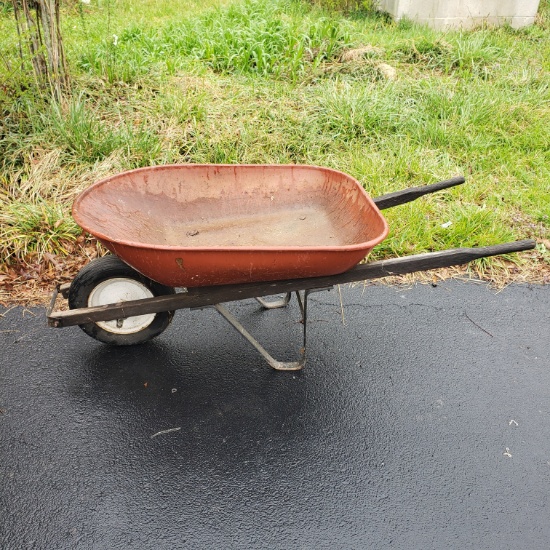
(422, 420)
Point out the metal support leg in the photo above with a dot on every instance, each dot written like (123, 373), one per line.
(273, 363)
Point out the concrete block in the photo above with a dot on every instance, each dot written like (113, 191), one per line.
(465, 14)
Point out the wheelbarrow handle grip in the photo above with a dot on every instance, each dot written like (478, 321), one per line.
(412, 193)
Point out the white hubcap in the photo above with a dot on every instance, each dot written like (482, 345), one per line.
(119, 289)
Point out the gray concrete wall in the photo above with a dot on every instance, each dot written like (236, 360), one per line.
(465, 14)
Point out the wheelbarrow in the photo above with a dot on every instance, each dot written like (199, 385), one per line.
(196, 236)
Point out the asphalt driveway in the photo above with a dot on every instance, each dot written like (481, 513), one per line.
(422, 420)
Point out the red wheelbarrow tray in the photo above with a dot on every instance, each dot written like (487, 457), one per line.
(207, 224)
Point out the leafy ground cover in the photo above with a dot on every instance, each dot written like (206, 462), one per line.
(281, 81)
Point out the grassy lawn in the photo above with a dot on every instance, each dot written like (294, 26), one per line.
(280, 81)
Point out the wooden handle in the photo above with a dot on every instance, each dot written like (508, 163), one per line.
(204, 296)
(412, 193)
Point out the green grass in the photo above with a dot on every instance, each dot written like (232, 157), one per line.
(257, 81)
(37, 227)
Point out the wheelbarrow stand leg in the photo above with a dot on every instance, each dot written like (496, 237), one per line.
(272, 362)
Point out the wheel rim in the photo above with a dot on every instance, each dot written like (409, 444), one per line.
(116, 290)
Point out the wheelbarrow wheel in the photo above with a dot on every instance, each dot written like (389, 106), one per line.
(109, 280)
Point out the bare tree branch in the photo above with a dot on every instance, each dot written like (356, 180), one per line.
(39, 32)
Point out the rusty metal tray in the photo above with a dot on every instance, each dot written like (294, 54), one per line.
(200, 225)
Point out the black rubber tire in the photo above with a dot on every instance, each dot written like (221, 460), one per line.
(109, 267)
